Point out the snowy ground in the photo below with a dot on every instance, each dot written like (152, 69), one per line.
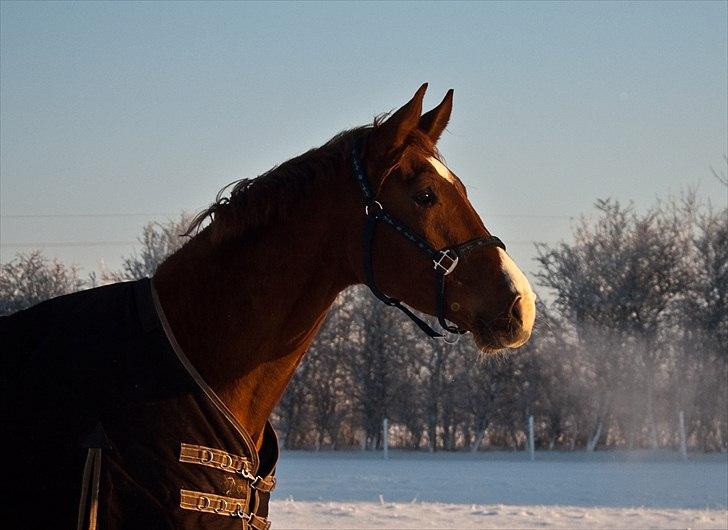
(340, 490)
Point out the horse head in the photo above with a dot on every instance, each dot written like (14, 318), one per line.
(483, 291)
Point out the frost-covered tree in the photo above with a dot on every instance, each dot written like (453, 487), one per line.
(620, 285)
(328, 380)
(32, 278)
(700, 370)
(158, 241)
(375, 352)
(635, 331)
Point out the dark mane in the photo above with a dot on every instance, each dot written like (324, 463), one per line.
(254, 203)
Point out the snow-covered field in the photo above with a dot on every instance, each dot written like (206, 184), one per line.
(500, 490)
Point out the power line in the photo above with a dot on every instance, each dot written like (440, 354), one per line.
(168, 214)
(38, 244)
(82, 215)
(530, 215)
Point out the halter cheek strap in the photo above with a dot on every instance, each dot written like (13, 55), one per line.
(444, 261)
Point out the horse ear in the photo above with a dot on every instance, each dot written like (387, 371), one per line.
(435, 121)
(391, 135)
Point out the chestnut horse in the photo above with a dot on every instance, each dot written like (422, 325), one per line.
(255, 285)
(239, 305)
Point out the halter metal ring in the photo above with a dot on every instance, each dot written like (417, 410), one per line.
(379, 205)
(443, 265)
(455, 339)
(206, 456)
(222, 506)
(227, 461)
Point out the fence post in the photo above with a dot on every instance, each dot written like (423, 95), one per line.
(385, 429)
(683, 440)
(531, 444)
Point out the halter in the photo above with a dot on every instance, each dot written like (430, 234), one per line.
(444, 261)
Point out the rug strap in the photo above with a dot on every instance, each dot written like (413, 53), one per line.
(221, 505)
(224, 461)
(88, 505)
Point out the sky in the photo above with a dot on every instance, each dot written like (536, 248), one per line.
(115, 114)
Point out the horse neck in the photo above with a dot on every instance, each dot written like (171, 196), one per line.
(245, 312)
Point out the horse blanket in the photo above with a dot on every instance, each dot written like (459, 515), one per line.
(107, 425)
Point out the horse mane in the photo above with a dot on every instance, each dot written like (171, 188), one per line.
(255, 202)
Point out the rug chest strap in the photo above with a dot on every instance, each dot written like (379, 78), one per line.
(221, 505)
(224, 461)
(210, 457)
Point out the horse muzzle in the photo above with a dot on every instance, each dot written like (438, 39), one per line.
(510, 329)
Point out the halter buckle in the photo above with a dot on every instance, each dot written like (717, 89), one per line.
(442, 264)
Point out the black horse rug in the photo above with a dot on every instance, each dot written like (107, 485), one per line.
(107, 425)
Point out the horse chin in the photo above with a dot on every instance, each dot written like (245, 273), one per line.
(487, 345)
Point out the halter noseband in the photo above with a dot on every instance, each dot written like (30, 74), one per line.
(444, 261)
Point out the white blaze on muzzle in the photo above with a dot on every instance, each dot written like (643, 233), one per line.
(518, 280)
(522, 288)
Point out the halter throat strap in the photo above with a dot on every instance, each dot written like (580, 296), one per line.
(444, 261)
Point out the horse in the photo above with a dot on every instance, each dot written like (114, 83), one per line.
(146, 404)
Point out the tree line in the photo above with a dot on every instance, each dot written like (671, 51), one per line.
(632, 328)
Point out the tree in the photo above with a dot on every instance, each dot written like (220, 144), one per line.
(158, 241)
(635, 332)
(327, 379)
(374, 355)
(701, 367)
(32, 278)
(625, 286)
(292, 414)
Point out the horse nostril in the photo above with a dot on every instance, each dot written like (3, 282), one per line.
(515, 310)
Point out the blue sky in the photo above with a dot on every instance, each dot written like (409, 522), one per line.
(149, 108)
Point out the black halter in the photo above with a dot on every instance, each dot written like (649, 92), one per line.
(444, 260)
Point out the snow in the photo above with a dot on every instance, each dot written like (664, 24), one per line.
(337, 515)
(500, 490)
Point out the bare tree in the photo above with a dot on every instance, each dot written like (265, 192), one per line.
(328, 380)
(158, 241)
(635, 332)
(32, 278)
(702, 313)
(292, 414)
(373, 361)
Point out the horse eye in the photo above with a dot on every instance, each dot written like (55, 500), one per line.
(426, 197)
